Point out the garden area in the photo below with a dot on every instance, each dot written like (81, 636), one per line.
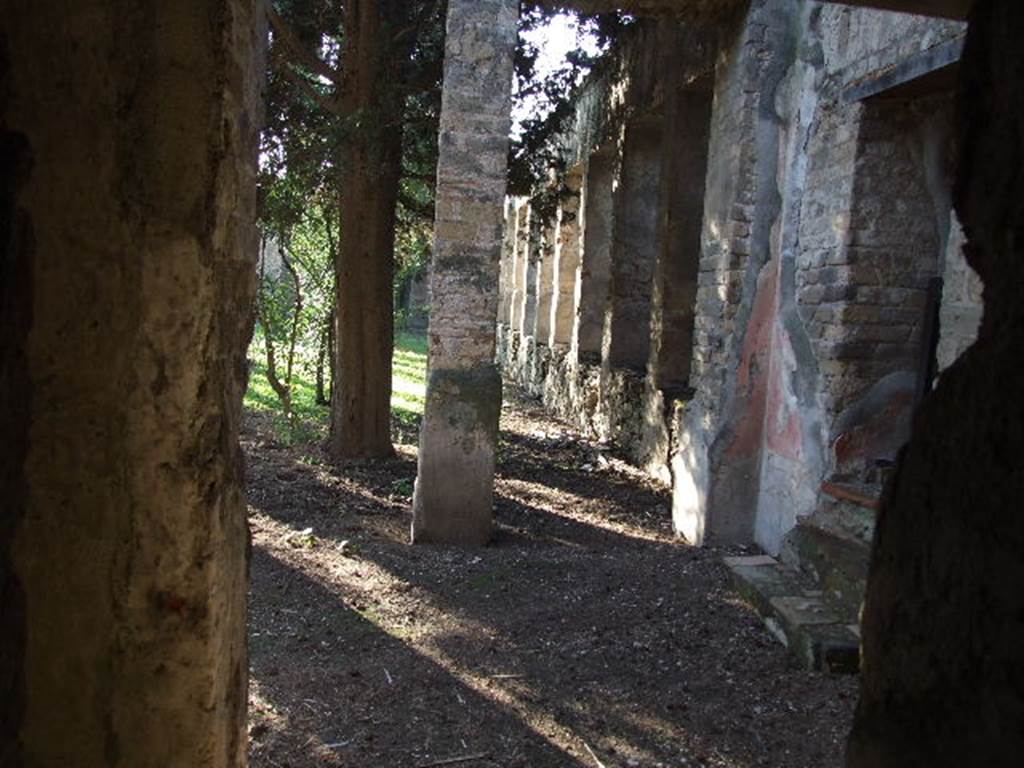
(308, 423)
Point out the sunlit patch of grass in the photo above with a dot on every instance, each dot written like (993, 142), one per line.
(408, 390)
(310, 421)
(409, 368)
(408, 376)
(410, 343)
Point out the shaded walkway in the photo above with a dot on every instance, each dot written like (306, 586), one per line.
(585, 628)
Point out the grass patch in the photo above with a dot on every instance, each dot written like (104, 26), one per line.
(487, 579)
(310, 422)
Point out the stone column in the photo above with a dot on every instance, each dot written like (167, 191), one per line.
(545, 283)
(685, 160)
(716, 479)
(567, 260)
(455, 483)
(531, 263)
(595, 260)
(519, 246)
(128, 142)
(506, 274)
(634, 247)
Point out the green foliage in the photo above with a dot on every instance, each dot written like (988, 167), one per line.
(309, 421)
(305, 126)
(278, 290)
(312, 246)
(295, 302)
(403, 487)
(301, 177)
(413, 243)
(488, 579)
(531, 155)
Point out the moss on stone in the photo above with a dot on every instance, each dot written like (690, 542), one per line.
(471, 399)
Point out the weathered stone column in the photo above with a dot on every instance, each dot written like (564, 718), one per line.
(634, 247)
(545, 283)
(567, 261)
(519, 245)
(685, 158)
(716, 477)
(506, 272)
(531, 264)
(597, 216)
(455, 483)
(128, 139)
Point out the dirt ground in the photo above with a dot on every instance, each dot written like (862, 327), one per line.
(586, 635)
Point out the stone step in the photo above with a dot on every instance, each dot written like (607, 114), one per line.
(848, 511)
(821, 634)
(838, 564)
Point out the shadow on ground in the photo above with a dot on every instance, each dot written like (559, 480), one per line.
(585, 633)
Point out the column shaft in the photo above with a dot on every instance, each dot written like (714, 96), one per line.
(545, 283)
(123, 551)
(567, 261)
(634, 247)
(595, 262)
(455, 483)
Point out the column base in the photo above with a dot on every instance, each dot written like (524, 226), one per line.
(454, 496)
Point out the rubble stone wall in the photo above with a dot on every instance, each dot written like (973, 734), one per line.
(612, 408)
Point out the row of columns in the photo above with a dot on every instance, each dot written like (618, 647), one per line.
(539, 268)
(580, 276)
(610, 272)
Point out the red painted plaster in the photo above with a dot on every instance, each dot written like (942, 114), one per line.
(761, 386)
(783, 425)
(752, 374)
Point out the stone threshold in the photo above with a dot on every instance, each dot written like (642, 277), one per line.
(798, 613)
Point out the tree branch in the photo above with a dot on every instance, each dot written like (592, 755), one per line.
(322, 100)
(294, 338)
(283, 392)
(428, 10)
(312, 62)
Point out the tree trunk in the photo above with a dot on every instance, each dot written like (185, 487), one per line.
(371, 168)
(332, 345)
(281, 389)
(324, 350)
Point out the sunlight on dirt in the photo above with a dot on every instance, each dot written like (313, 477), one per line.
(585, 633)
